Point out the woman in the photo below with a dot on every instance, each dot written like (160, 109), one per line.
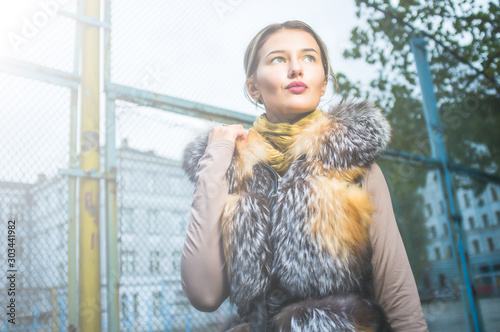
(293, 221)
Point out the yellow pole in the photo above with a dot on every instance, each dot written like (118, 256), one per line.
(89, 295)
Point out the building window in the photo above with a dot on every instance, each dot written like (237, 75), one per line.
(491, 244)
(466, 200)
(62, 272)
(122, 182)
(152, 221)
(485, 220)
(433, 232)
(429, 209)
(175, 217)
(182, 223)
(438, 254)
(128, 262)
(19, 246)
(445, 230)
(181, 299)
(494, 194)
(471, 222)
(484, 269)
(154, 262)
(176, 260)
(442, 280)
(123, 307)
(127, 220)
(448, 252)
(441, 207)
(475, 244)
(11, 215)
(152, 182)
(157, 303)
(136, 305)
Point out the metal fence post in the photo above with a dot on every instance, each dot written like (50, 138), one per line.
(89, 262)
(438, 149)
(112, 271)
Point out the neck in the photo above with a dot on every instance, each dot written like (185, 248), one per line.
(287, 118)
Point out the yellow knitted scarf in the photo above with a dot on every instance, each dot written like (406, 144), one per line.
(281, 136)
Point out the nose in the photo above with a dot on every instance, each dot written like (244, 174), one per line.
(295, 69)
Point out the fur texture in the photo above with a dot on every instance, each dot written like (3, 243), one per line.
(310, 238)
(345, 313)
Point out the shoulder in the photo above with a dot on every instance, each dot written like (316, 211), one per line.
(374, 179)
(375, 184)
(201, 149)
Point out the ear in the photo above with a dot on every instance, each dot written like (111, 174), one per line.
(323, 88)
(252, 88)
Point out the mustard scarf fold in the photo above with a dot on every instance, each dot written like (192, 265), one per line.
(281, 136)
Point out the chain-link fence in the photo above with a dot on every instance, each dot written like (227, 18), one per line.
(38, 89)
(154, 200)
(34, 143)
(422, 221)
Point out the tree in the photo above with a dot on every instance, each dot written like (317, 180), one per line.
(463, 44)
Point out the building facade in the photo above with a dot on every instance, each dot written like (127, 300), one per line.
(153, 207)
(481, 229)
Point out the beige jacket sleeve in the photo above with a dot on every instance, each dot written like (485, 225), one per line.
(394, 284)
(203, 269)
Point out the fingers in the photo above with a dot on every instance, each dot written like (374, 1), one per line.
(229, 132)
(242, 133)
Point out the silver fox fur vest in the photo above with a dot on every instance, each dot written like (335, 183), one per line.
(297, 247)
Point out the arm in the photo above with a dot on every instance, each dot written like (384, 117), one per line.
(203, 269)
(394, 285)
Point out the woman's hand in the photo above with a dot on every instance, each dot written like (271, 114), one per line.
(229, 132)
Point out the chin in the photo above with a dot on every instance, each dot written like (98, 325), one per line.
(298, 107)
(298, 110)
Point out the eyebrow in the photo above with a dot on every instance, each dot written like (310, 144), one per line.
(303, 50)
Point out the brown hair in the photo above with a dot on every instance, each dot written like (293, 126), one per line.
(251, 58)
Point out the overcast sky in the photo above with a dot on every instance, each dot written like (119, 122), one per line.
(187, 49)
(198, 47)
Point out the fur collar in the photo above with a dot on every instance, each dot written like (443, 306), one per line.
(352, 134)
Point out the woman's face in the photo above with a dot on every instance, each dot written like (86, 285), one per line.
(289, 56)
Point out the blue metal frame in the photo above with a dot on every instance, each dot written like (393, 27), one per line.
(414, 159)
(176, 105)
(438, 149)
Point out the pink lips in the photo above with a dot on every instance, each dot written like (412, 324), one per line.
(297, 86)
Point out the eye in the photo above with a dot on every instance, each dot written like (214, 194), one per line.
(278, 57)
(312, 58)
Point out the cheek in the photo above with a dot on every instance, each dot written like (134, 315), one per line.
(269, 80)
(319, 79)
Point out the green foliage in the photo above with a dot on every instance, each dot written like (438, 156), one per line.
(463, 45)
(409, 211)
